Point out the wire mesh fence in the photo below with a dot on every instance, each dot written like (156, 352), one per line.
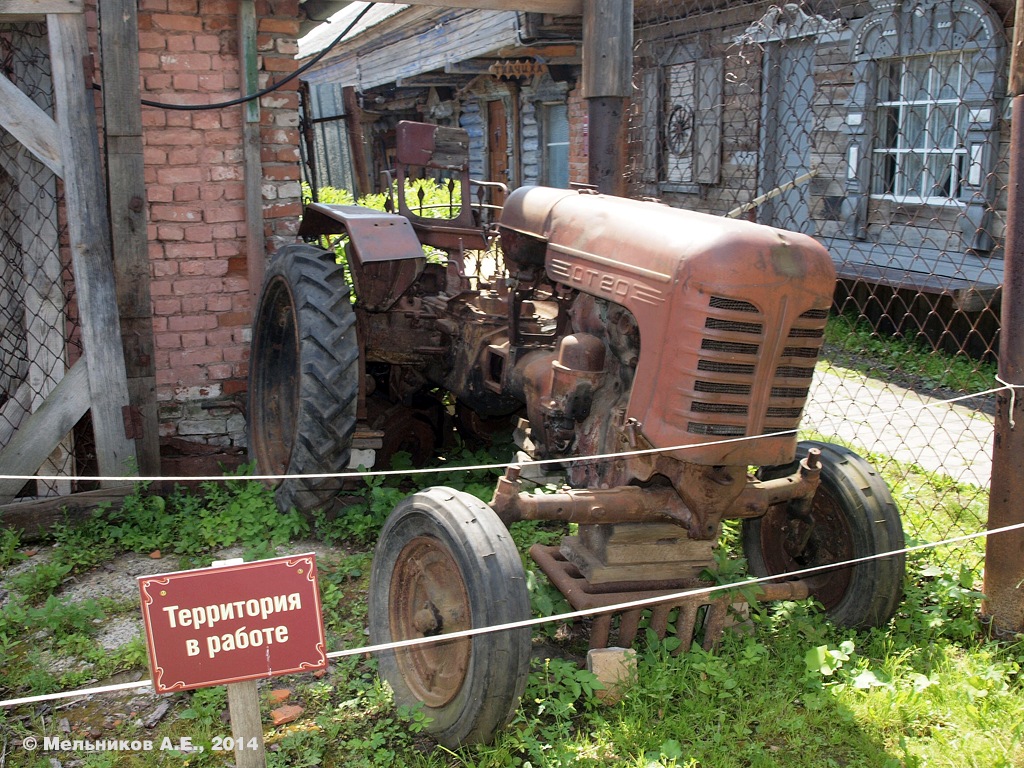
(880, 130)
(39, 331)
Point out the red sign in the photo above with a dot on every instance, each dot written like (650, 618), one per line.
(235, 622)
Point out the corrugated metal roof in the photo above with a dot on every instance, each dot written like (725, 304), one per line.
(324, 35)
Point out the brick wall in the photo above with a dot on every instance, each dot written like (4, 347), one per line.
(202, 306)
(579, 157)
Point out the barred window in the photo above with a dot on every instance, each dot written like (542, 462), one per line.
(920, 154)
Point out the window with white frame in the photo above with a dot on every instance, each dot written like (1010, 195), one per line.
(922, 118)
(556, 145)
(920, 153)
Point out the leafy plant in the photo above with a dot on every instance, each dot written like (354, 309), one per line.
(206, 705)
(10, 540)
(852, 341)
(42, 580)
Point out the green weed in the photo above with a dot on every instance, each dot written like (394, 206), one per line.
(852, 342)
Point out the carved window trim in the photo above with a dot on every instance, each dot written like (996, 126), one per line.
(895, 31)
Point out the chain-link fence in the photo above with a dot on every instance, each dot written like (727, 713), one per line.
(879, 129)
(39, 336)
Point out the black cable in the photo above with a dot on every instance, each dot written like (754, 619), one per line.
(269, 88)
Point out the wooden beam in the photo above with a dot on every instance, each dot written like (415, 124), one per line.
(126, 192)
(255, 242)
(556, 7)
(48, 426)
(89, 240)
(30, 125)
(35, 518)
(24, 10)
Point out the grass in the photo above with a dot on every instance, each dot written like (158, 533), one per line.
(929, 689)
(851, 342)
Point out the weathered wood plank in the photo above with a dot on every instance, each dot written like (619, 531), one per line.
(608, 48)
(557, 7)
(38, 7)
(30, 125)
(89, 237)
(49, 425)
(15, 409)
(126, 190)
(35, 518)
(255, 243)
(42, 294)
(391, 53)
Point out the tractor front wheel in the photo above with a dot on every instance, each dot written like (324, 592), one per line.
(852, 516)
(445, 563)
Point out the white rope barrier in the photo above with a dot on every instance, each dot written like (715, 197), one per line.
(468, 468)
(617, 608)
(560, 617)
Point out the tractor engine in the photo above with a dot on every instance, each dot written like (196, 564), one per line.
(687, 336)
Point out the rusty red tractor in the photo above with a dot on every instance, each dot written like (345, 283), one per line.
(660, 358)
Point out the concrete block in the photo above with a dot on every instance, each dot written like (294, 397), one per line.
(615, 668)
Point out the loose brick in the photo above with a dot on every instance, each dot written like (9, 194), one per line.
(186, 81)
(189, 250)
(288, 27)
(186, 62)
(224, 213)
(207, 43)
(174, 213)
(233, 319)
(192, 23)
(170, 232)
(180, 175)
(167, 340)
(193, 305)
(199, 234)
(180, 43)
(184, 156)
(190, 322)
(166, 306)
(198, 286)
(192, 340)
(218, 303)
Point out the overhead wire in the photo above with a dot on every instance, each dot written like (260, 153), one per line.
(263, 91)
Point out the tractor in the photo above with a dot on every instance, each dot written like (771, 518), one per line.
(657, 360)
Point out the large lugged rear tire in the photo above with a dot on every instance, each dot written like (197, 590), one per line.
(303, 376)
(854, 516)
(445, 563)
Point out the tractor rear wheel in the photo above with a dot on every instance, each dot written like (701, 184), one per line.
(445, 563)
(303, 376)
(852, 515)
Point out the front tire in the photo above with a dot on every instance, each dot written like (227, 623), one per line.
(444, 563)
(303, 376)
(853, 516)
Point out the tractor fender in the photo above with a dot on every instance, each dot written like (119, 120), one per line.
(384, 254)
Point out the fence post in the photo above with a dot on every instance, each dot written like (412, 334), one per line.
(1004, 552)
(607, 77)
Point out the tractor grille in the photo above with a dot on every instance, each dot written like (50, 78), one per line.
(737, 391)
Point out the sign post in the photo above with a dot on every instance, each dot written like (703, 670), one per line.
(231, 625)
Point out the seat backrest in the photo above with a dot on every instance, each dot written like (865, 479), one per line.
(439, 152)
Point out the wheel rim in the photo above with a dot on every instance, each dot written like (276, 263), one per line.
(275, 362)
(428, 597)
(830, 541)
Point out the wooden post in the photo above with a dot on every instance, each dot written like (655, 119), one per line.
(89, 237)
(1004, 552)
(244, 712)
(255, 245)
(356, 140)
(607, 74)
(126, 191)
